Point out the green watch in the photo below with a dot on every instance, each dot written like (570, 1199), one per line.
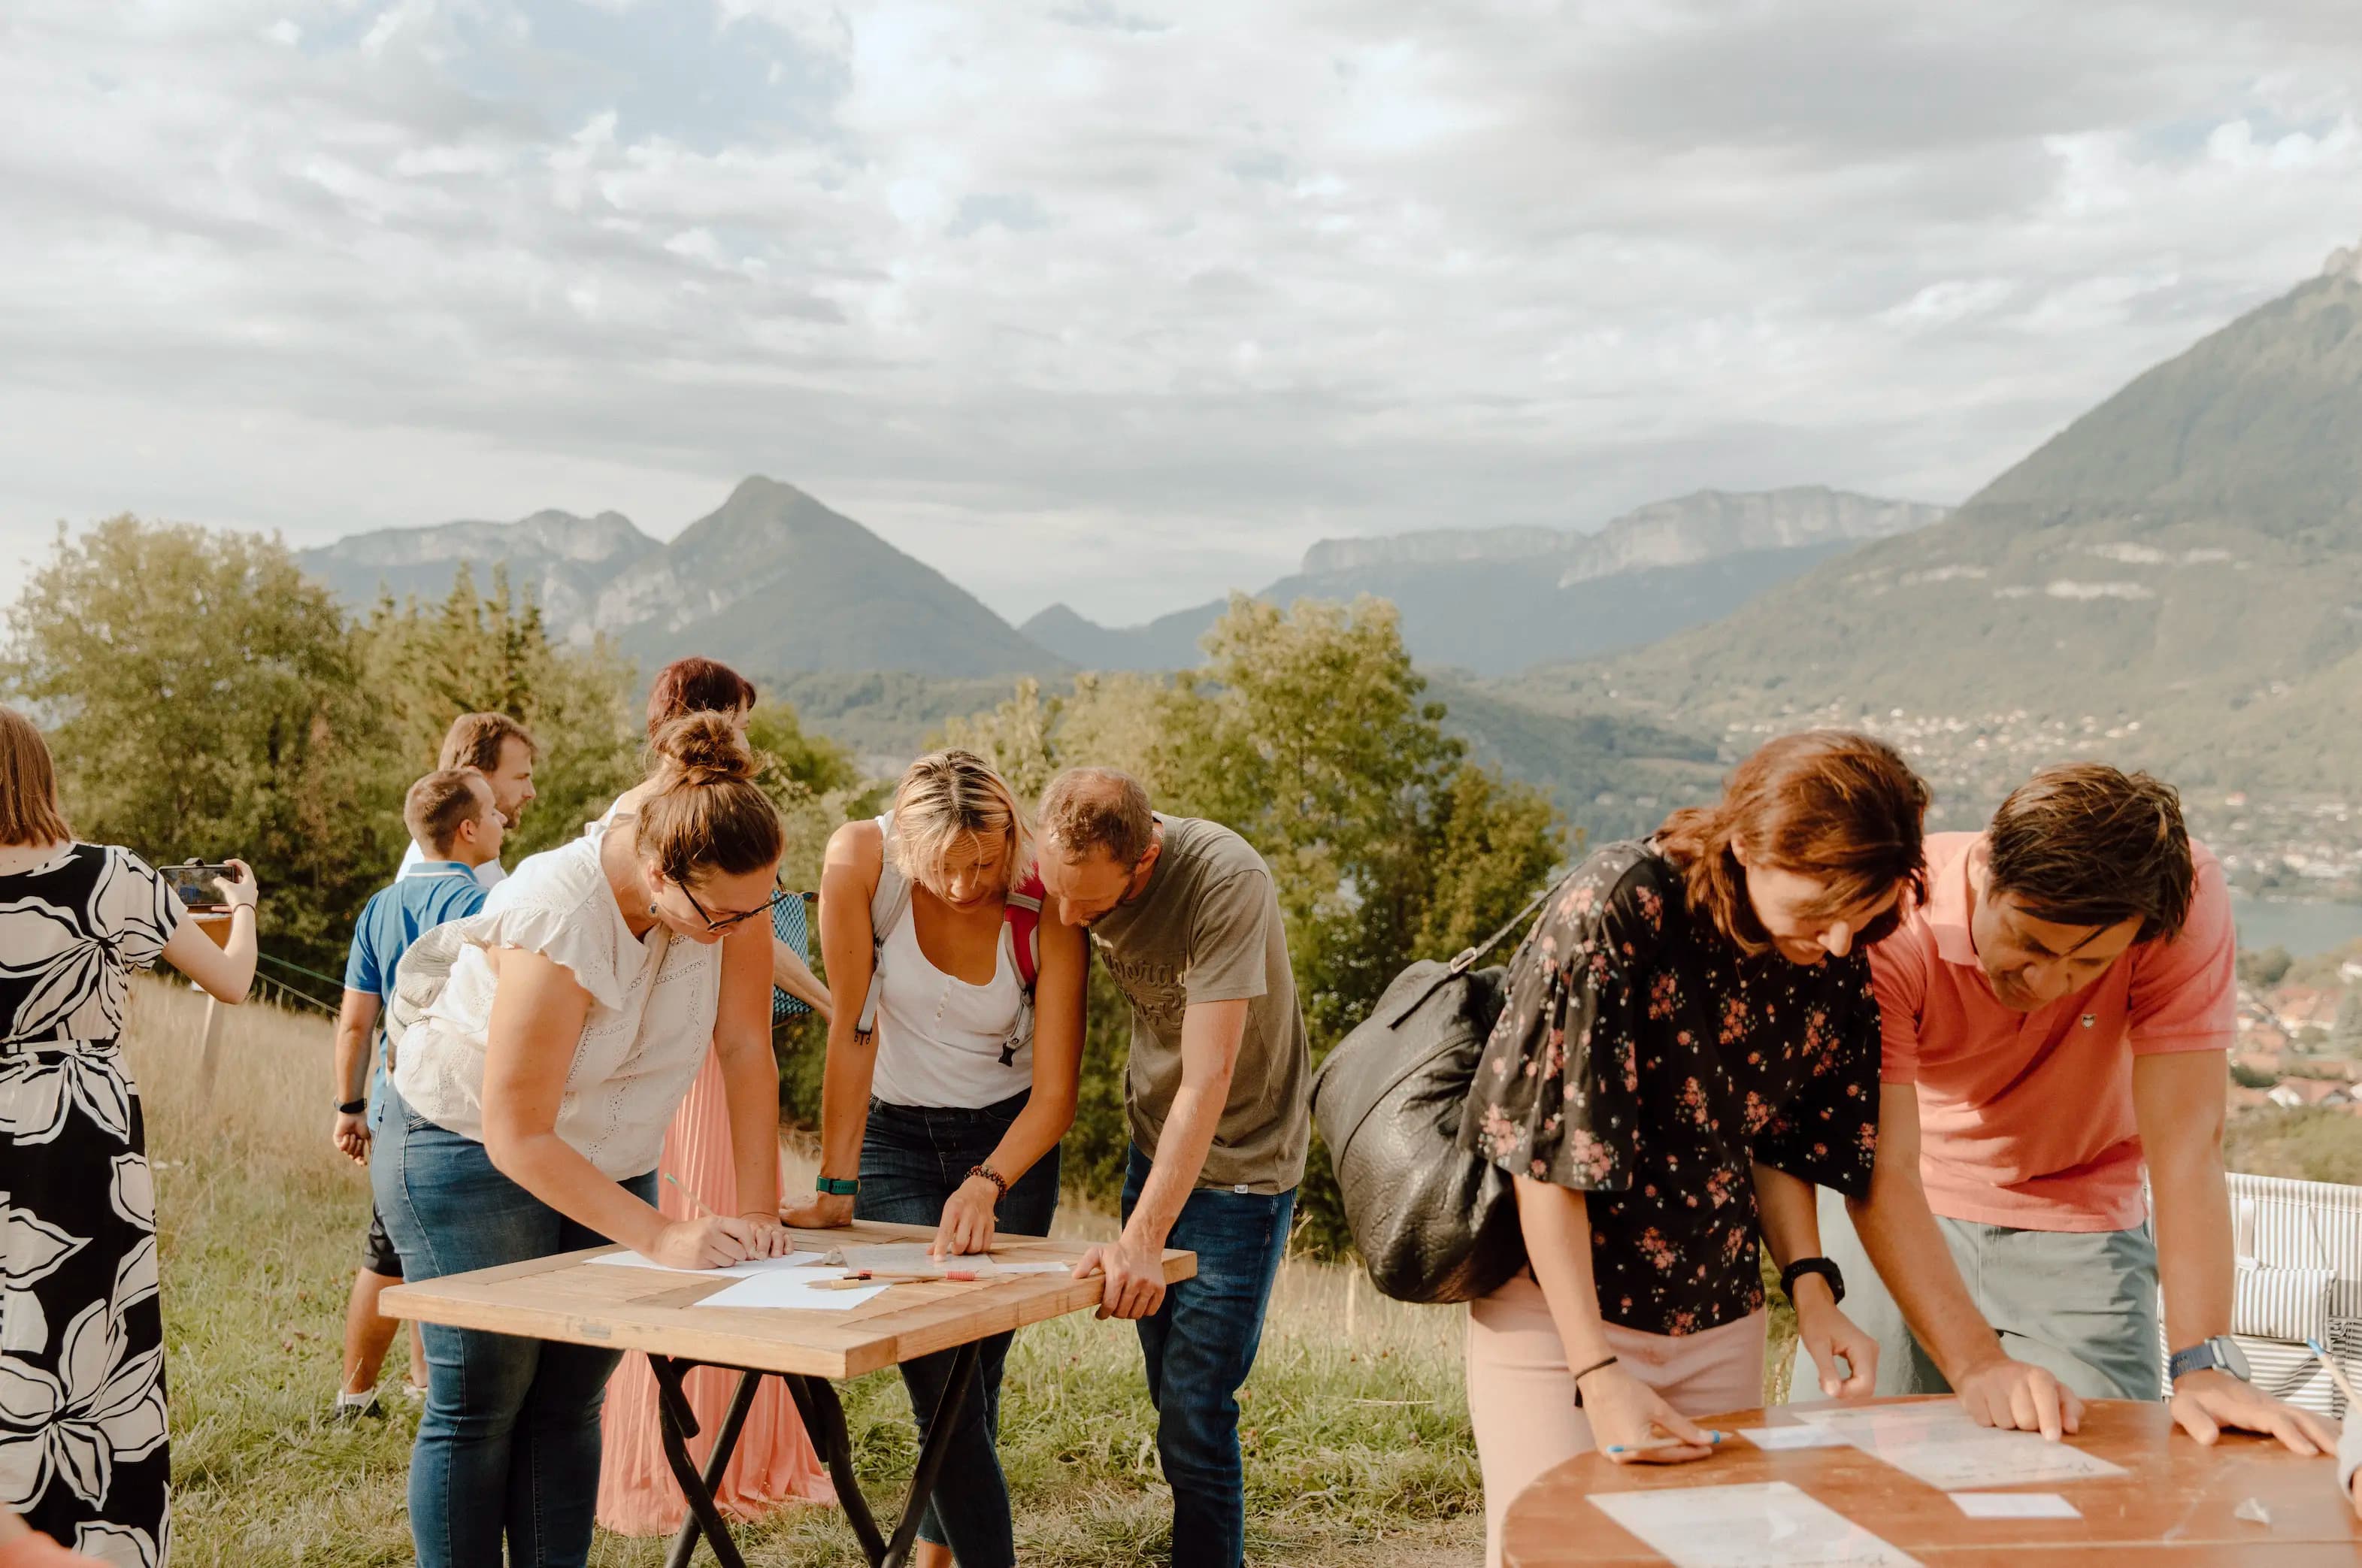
(837, 1186)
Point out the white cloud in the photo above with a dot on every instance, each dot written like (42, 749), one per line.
(1119, 301)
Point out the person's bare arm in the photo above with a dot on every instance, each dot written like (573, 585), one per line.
(967, 1223)
(1625, 1413)
(538, 1015)
(790, 973)
(750, 1073)
(2178, 1101)
(226, 972)
(1898, 1232)
(356, 1027)
(1792, 1227)
(856, 855)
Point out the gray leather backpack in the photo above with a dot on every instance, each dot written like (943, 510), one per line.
(1433, 1221)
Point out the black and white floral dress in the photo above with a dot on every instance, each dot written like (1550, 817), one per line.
(83, 1453)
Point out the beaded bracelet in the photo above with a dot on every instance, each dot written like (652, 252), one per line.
(999, 1183)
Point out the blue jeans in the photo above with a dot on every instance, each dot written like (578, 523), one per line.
(1199, 1346)
(508, 1447)
(912, 1159)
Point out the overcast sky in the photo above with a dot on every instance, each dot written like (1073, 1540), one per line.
(1119, 302)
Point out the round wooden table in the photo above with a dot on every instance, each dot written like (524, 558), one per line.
(2174, 1509)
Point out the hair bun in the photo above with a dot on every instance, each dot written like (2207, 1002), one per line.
(702, 749)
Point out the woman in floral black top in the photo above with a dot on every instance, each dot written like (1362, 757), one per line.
(1689, 1046)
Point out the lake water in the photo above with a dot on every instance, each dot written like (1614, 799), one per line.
(2303, 926)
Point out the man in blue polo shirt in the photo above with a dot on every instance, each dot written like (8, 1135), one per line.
(452, 814)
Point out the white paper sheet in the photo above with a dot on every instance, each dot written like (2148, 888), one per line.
(793, 1290)
(2016, 1506)
(1052, 1267)
(735, 1271)
(1771, 1526)
(1937, 1443)
(1794, 1437)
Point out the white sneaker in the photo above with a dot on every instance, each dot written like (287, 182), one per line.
(356, 1407)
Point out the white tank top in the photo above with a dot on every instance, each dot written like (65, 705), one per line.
(942, 1041)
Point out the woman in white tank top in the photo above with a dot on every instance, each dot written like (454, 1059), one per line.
(947, 1089)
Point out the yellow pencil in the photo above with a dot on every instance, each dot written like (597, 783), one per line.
(678, 1188)
(2336, 1374)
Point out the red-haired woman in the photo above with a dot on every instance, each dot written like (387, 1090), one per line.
(1690, 1047)
(774, 1462)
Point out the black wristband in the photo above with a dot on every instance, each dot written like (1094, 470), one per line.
(1594, 1366)
(353, 1108)
(1803, 1266)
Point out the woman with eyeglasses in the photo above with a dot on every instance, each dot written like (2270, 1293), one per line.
(527, 1117)
(953, 1064)
(774, 1463)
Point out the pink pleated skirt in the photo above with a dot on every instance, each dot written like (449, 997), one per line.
(774, 1464)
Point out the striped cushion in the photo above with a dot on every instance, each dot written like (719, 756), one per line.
(2273, 1303)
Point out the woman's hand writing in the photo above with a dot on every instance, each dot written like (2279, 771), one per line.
(1628, 1417)
(967, 1220)
(713, 1242)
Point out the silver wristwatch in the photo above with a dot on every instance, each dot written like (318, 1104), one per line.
(2222, 1353)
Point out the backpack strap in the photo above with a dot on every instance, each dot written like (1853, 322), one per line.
(886, 905)
(1467, 959)
(1023, 917)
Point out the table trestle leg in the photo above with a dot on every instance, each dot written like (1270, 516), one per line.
(929, 1466)
(725, 1443)
(824, 1418)
(676, 1423)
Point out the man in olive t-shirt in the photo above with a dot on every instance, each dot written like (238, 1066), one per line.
(1184, 915)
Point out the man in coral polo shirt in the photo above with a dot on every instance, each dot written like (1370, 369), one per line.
(2055, 1013)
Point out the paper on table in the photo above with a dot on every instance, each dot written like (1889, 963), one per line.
(1034, 1268)
(1937, 1443)
(910, 1257)
(793, 1290)
(1792, 1437)
(1771, 1526)
(2016, 1506)
(735, 1271)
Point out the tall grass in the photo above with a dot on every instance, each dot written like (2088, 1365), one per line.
(1355, 1428)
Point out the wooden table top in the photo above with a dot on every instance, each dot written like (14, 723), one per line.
(566, 1298)
(2174, 1509)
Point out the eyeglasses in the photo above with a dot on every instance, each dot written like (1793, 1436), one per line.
(717, 925)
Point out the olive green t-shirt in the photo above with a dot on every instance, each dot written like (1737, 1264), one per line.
(1207, 929)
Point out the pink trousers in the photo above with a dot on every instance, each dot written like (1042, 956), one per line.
(1521, 1393)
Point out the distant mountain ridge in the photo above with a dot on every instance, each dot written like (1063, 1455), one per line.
(1495, 601)
(772, 580)
(561, 559)
(2182, 565)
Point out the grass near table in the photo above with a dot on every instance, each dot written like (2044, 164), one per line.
(1355, 1425)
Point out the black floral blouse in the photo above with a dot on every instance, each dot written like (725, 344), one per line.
(1641, 1055)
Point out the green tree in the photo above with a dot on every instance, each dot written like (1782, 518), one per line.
(202, 700)
(424, 666)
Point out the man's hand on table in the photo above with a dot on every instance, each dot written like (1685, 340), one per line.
(2018, 1395)
(2205, 1402)
(1134, 1271)
(822, 1211)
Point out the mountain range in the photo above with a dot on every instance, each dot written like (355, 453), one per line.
(2182, 566)
(1494, 601)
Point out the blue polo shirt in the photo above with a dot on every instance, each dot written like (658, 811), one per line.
(423, 897)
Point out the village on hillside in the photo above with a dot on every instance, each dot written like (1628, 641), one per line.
(2299, 1042)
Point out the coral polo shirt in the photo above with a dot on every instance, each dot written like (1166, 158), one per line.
(2025, 1119)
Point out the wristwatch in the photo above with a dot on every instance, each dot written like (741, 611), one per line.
(352, 1107)
(2220, 1354)
(1803, 1266)
(837, 1186)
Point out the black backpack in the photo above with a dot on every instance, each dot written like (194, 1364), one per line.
(1433, 1221)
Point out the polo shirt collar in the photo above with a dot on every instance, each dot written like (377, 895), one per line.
(1948, 906)
(442, 869)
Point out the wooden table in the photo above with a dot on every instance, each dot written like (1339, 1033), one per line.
(568, 1299)
(2173, 1510)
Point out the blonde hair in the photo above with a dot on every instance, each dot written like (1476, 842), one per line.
(946, 796)
(29, 785)
(705, 813)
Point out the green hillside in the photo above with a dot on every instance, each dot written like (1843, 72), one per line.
(2181, 565)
